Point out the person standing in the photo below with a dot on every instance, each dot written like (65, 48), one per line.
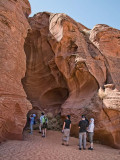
(83, 124)
(34, 115)
(31, 123)
(66, 130)
(44, 125)
(91, 133)
(41, 122)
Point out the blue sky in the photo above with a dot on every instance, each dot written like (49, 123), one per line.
(87, 12)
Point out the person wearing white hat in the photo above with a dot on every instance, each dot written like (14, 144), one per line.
(91, 133)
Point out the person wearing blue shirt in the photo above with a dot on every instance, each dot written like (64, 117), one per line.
(31, 123)
(34, 115)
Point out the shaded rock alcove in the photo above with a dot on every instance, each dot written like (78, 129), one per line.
(54, 98)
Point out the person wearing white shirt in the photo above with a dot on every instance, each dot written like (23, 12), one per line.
(40, 126)
(91, 133)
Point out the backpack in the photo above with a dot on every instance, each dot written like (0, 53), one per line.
(44, 120)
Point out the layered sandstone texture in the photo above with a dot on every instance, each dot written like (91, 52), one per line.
(13, 103)
(74, 70)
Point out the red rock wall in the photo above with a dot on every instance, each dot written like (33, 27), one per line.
(69, 70)
(13, 103)
(107, 40)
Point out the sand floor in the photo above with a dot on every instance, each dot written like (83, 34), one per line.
(34, 147)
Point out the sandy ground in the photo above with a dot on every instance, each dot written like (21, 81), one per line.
(34, 147)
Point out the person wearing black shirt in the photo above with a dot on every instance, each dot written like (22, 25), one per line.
(66, 130)
(83, 124)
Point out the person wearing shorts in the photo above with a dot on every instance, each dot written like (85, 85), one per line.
(44, 126)
(91, 133)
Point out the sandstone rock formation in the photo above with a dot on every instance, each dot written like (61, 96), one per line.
(74, 70)
(13, 103)
(107, 40)
(70, 69)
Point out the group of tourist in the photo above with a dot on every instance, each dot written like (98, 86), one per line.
(42, 125)
(86, 128)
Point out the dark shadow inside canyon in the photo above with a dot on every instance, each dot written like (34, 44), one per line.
(53, 99)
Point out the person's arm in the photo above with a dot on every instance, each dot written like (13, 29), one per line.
(87, 126)
(70, 126)
(87, 129)
(79, 125)
(41, 119)
(47, 120)
(63, 126)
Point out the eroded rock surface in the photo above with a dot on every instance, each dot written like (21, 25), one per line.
(107, 40)
(68, 69)
(110, 116)
(44, 84)
(13, 103)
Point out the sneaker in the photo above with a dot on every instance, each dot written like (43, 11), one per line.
(62, 143)
(90, 148)
(43, 135)
(80, 148)
(84, 148)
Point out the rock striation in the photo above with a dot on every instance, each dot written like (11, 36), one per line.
(107, 40)
(13, 103)
(74, 70)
